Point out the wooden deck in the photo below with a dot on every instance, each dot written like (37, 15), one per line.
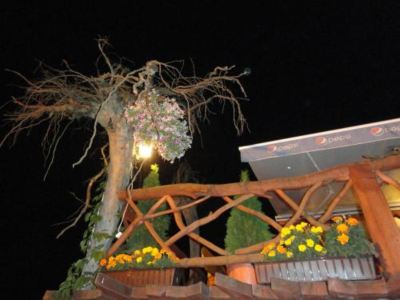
(228, 288)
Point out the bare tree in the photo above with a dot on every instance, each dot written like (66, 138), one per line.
(65, 94)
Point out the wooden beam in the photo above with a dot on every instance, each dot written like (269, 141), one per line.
(259, 188)
(378, 217)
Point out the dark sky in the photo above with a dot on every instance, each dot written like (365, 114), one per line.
(319, 66)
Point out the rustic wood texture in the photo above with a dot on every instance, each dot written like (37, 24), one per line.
(259, 188)
(378, 217)
(197, 291)
(358, 289)
(235, 289)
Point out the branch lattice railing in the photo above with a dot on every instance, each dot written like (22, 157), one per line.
(234, 194)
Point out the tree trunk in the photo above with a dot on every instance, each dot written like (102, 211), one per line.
(120, 145)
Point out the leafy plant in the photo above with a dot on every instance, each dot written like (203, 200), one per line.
(141, 237)
(345, 238)
(148, 257)
(75, 279)
(159, 120)
(244, 230)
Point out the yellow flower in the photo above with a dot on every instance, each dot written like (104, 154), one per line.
(139, 259)
(318, 248)
(289, 254)
(268, 247)
(147, 250)
(352, 221)
(154, 252)
(158, 256)
(299, 228)
(310, 243)
(303, 224)
(337, 219)
(291, 227)
(302, 248)
(281, 249)
(343, 239)
(285, 231)
(103, 262)
(317, 229)
(289, 241)
(137, 252)
(342, 228)
(272, 253)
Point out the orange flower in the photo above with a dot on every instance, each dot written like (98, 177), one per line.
(281, 249)
(103, 262)
(352, 221)
(342, 228)
(343, 239)
(337, 219)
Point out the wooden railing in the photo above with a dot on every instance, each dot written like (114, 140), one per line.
(234, 194)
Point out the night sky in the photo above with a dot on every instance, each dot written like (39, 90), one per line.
(315, 67)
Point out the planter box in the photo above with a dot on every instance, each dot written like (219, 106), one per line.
(317, 270)
(143, 277)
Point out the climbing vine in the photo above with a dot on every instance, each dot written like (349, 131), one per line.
(76, 279)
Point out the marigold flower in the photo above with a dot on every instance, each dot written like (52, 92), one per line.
(103, 262)
(292, 227)
(343, 239)
(337, 219)
(303, 224)
(272, 253)
(317, 229)
(281, 249)
(352, 221)
(289, 254)
(137, 252)
(147, 250)
(342, 228)
(285, 231)
(302, 247)
(154, 252)
(289, 241)
(299, 228)
(318, 248)
(310, 243)
(139, 259)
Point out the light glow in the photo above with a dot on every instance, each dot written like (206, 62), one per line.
(145, 151)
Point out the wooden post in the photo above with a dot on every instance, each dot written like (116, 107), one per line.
(378, 217)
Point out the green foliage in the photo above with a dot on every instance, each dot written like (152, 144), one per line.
(344, 238)
(148, 257)
(244, 230)
(75, 279)
(141, 237)
(358, 243)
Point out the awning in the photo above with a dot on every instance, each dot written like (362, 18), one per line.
(315, 152)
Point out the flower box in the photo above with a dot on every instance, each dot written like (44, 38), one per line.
(319, 269)
(143, 277)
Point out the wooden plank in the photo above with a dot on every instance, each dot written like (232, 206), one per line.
(156, 291)
(393, 286)
(264, 292)
(113, 287)
(197, 291)
(139, 292)
(314, 290)
(217, 293)
(235, 289)
(378, 217)
(286, 289)
(358, 289)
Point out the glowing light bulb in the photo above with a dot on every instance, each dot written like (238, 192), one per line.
(145, 151)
